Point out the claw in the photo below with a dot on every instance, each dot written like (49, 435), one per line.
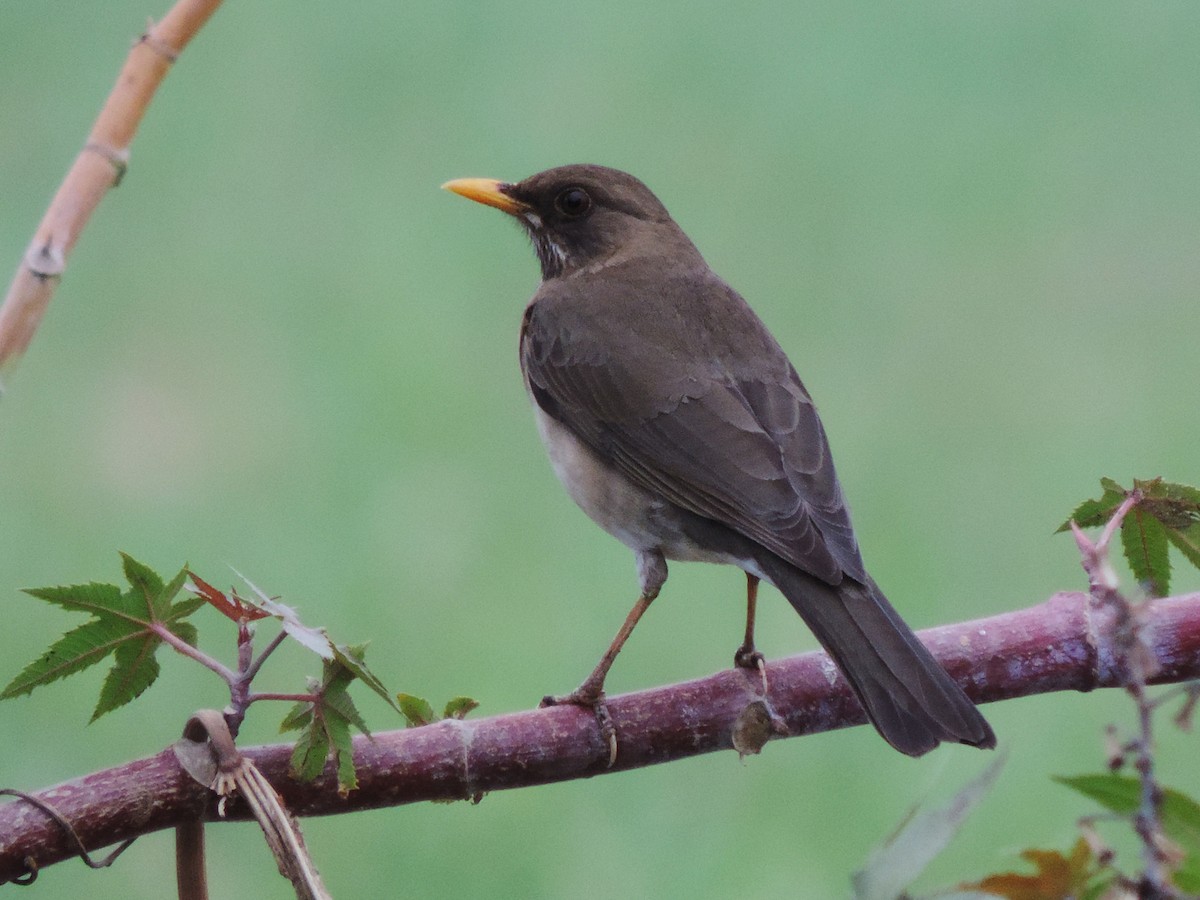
(596, 703)
(749, 658)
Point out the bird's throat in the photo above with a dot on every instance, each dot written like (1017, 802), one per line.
(551, 255)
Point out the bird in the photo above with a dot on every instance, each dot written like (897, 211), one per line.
(676, 421)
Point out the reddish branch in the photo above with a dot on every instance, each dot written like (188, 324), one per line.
(1062, 644)
(98, 167)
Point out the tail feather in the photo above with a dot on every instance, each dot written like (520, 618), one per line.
(907, 695)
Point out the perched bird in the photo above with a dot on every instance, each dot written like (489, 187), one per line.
(676, 422)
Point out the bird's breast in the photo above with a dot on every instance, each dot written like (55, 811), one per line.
(637, 518)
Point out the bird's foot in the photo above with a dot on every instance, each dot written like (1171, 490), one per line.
(747, 657)
(593, 699)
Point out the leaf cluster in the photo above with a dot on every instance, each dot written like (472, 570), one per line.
(1165, 514)
(129, 625)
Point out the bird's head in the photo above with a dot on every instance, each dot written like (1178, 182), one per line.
(581, 216)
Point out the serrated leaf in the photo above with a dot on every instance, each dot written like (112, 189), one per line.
(894, 864)
(337, 728)
(185, 631)
(1184, 493)
(75, 651)
(459, 708)
(184, 608)
(1180, 815)
(298, 717)
(1144, 540)
(121, 626)
(134, 670)
(346, 775)
(352, 657)
(234, 608)
(1093, 513)
(310, 752)
(1187, 541)
(147, 585)
(416, 710)
(96, 599)
(339, 701)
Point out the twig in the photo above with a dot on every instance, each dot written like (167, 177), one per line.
(1139, 666)
(99, 166)
(183, 647)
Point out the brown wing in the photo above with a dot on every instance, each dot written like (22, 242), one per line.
(719, 425)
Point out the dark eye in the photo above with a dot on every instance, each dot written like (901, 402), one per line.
(573, 202)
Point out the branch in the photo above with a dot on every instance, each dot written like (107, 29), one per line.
(98, 167)
(1062, 644)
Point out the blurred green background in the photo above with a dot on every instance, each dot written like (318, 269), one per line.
(280, 347)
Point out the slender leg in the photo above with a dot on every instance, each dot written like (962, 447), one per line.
(591, 691)
(652, 569)
(747, 657)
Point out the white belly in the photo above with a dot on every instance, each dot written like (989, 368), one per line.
(638, 519)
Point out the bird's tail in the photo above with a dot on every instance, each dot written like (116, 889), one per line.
(907, 695)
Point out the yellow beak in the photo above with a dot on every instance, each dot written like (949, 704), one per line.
(487, 191)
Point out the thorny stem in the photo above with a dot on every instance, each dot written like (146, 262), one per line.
(1138, 668)
(240, 697)
(239, 682)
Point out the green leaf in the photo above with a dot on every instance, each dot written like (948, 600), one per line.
(97, 599)
(416, 710)
(459, 708)
(311, 750)
(1180, 815)
(1184, 493)
(299, 716)
(325, 724)
(337, 728)
(1144, 540)
(185, 631)
(166, 606)
(135, 670)
(346, 775)
(339, 702)
(1187, 541)
(184, 608)
(351, 657)
(148, 587)
(121, 626)
(1093, 513)
(75, 651)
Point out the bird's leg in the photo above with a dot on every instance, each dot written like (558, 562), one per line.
(747, 657)
(652, 568)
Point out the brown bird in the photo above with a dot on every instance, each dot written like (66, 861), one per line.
(676, 422)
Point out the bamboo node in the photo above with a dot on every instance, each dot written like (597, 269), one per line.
(157, 44)
(118, 157)
(45, 260)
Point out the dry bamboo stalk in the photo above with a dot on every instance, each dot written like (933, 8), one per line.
(99, 166)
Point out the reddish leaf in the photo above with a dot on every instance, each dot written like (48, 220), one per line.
(232, 607)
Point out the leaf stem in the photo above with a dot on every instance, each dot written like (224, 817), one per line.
(181, 646)
(252, 669)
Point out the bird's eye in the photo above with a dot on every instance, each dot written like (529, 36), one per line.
(573, 202)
